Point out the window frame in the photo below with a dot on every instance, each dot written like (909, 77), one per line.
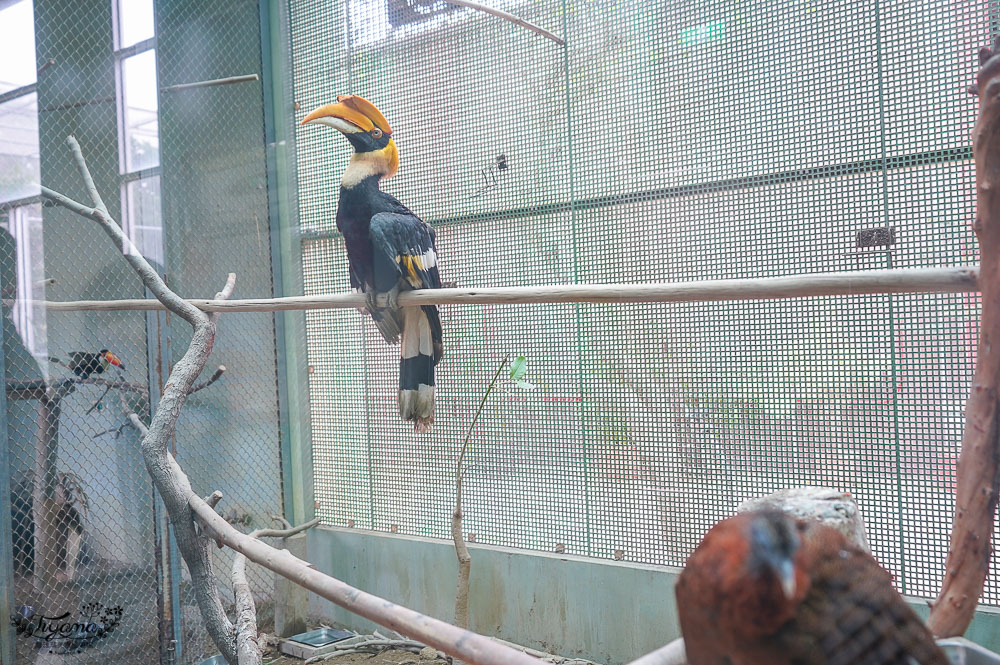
(12, 95)
(126, 176)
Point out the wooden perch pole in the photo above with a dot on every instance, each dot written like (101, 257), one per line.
(979, 463)
(466, 645)
(917, 280)
(170, 481)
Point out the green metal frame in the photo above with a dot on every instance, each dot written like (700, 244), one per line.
(286, 262)
(6, 543)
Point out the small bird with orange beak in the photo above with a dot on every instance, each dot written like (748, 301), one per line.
(389, 249)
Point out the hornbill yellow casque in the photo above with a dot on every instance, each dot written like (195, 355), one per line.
(85, 363)
(389, 249)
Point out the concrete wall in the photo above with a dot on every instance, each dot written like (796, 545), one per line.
(605, 611)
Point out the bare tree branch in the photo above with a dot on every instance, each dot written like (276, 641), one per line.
(979, 464)
(214, 498)
(279, 518)
(961, 279)
(170, 481)
(516, 20)
(461, 550)
(285, 533)
(209, 381)
(247, 647)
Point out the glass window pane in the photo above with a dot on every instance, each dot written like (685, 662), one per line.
(135, 21)
(142, 205)
(24, 224)
(142, 143)
(19, 172)
(17, 45)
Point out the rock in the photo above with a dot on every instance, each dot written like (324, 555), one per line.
(818, 504)
(428, 653)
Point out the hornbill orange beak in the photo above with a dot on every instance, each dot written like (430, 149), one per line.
(113, 359)
(350, 114)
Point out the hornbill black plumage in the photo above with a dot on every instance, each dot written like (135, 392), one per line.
(389, 249)
(85, 363)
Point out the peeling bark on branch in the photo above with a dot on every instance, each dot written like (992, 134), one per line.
(247, 647)
(979, 464)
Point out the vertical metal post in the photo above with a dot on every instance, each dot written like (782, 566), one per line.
(6, 525)
(166, 554)
(286, 262)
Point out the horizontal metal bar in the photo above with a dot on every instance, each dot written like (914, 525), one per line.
(139, 175)
(17, 203)
(915, 280)
(895, 163)
(205, 84)
(18, 92)
(136, 49)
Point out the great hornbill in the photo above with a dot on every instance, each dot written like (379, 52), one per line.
(389, 249)
(84, 363)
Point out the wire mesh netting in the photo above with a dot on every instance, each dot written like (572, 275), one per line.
(665, 142)
(184, 171)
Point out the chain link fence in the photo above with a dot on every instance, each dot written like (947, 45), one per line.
(667, 141)
(183, 169)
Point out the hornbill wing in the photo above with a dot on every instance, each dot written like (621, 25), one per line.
(403, 249)
(405, 257)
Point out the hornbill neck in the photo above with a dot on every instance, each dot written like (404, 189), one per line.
(364, 166)
(360, 186)
(357, 204)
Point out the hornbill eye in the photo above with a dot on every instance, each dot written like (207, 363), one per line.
(376, 133)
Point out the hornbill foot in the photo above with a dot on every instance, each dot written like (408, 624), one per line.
(371, 299)
(392, 298)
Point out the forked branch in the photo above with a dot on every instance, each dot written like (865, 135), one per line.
(170, 481)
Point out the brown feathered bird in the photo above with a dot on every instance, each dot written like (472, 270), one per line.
(763, 588)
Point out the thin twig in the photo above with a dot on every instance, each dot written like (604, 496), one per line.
(117, 431)
(862, 282)
(219, 371)
(284, 533)
(461, 550)
(284, 522)
(516, 20)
